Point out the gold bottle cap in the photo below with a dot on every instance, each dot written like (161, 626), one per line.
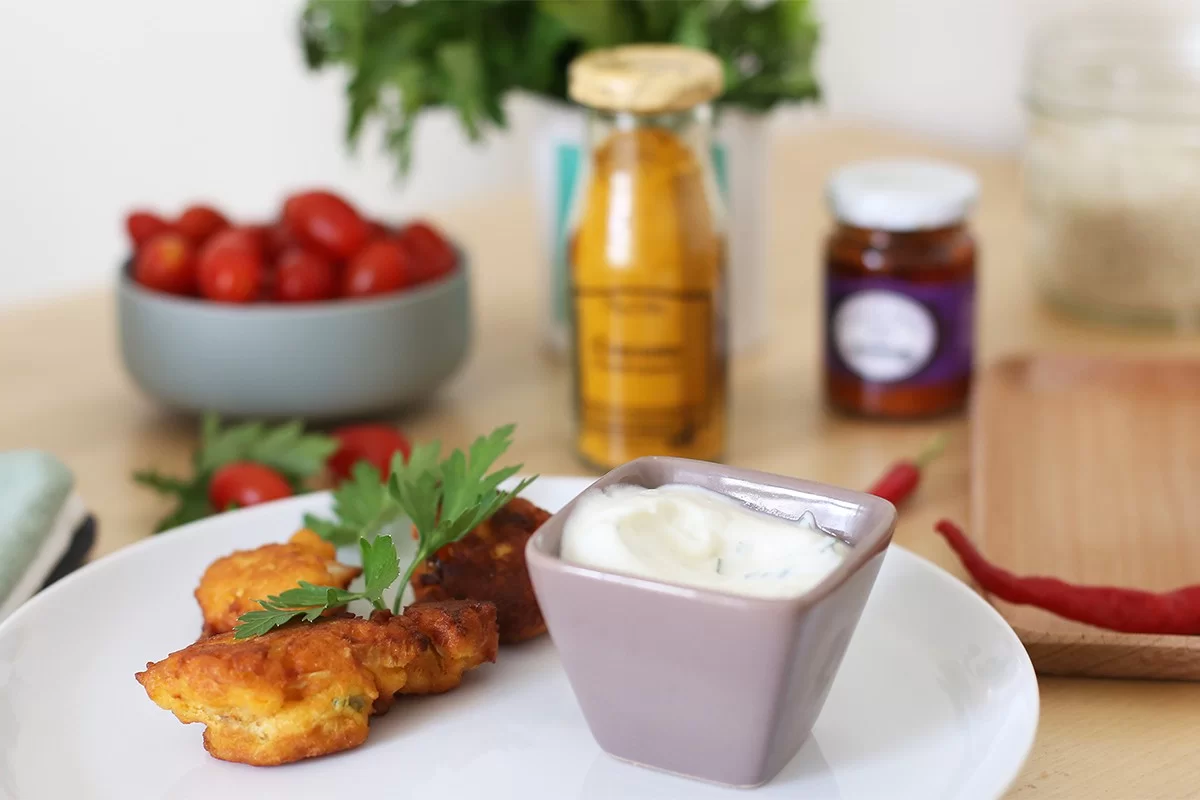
(645, 78)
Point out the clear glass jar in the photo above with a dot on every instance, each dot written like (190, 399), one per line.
(647, 280)
(1112, 169)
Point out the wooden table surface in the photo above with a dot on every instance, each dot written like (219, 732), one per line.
(62, 389)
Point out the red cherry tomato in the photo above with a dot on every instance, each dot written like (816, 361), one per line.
(375, 444)
(200, 223)
(230, 267)
(166, 263)
(432, 255)
(248, 239)
(261, 236)
(377, 230)
(143, 226)
(303, 277)
(382, 267)
(267, 285)
(246, 483)
(278, 240)
(325, 223)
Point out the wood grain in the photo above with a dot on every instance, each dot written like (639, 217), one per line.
(62, 388)
(1086, 469)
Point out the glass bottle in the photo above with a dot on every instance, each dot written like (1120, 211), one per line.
(647, 259)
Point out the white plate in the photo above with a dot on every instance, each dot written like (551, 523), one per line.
(935, 699)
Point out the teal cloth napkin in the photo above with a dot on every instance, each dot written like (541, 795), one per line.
(34, 489)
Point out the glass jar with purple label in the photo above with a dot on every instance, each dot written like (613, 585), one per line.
(900, 289)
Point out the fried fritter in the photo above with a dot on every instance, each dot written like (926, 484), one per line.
(489, 564)
(233, 585)
(307, 689)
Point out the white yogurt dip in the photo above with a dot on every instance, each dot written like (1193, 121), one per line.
(697, 537)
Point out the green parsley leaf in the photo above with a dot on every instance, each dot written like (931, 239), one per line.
(220, 447)
(256, 623)
(380, 565)
(285, 448)
(192, 498)
(159, 482)
(306, 601)
(423, 460)
(461, 475)
(291, 451)
(361, 507)
(307, 595)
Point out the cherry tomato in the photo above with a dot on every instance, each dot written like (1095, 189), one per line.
(230, 267)
(432, 255)
(372, 443)
(166, 263)
(278, 240)
(325, 223)
(377, 230)
(303, 277)
(382, 267)
(200, 223)
(246, 483)
(144, 226)
(260, 234)
(247, 238)
(269, 283)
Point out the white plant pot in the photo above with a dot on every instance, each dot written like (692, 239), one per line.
(740, 155)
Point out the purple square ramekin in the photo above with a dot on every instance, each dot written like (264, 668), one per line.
(713, 686)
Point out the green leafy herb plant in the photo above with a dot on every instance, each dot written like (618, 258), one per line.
(404, 57)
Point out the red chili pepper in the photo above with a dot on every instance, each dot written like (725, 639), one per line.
(1126, 610)
(902, 479)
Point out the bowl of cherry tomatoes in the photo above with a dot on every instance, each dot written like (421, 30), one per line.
(323, 313)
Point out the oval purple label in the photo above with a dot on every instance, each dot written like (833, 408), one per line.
(884, 330)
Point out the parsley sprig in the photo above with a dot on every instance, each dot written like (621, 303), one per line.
(445, 499)
(286, 448)
(362, 506)
(380, 569)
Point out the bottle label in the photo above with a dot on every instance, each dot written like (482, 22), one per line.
(884, 330)
(568, 157)
(645, 359)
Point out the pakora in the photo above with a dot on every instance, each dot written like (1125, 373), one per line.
(233, 585)
(308, 689)
(489, 564)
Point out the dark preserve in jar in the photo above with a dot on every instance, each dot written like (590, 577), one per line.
(900, 288)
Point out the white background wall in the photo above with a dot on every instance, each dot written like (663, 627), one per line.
(109, 104)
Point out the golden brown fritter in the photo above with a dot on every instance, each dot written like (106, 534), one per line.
(307, 689)
(233, 585)
(489, 564)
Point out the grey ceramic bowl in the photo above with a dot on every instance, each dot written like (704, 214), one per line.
(317, 361)
(713, 686)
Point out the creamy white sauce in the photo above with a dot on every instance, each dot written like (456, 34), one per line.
(697, 537)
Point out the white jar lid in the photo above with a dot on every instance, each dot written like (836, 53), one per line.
(901, 195)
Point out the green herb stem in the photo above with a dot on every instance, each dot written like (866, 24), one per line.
(398, 603)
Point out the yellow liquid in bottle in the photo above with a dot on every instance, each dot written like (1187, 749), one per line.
(648, 303)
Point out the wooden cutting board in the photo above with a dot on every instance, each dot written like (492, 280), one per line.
(1089, 470)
